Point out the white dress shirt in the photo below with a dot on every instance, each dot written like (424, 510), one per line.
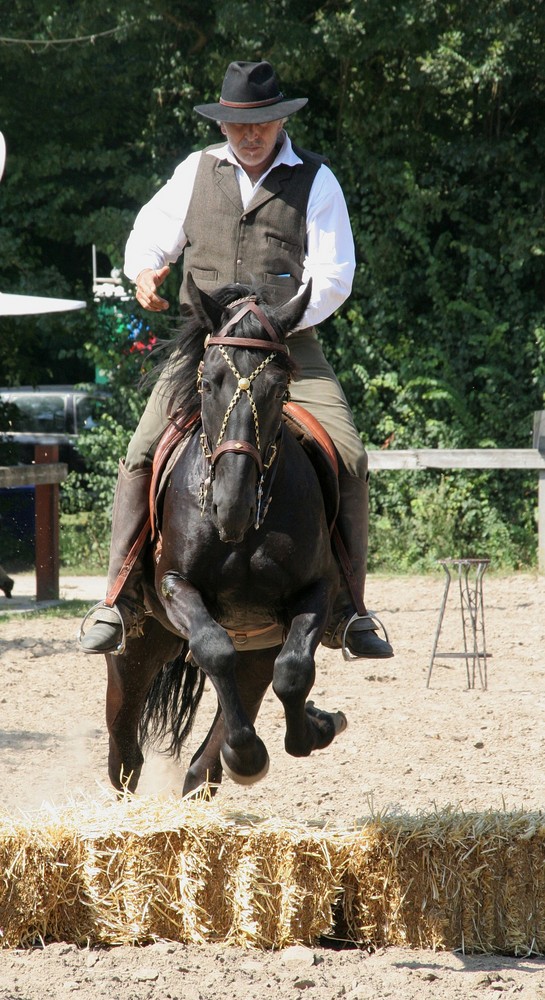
(158, 236)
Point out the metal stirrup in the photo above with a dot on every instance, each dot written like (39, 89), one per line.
(120, 648)
(370, 614)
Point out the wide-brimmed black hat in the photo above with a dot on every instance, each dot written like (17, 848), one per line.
(250, 93)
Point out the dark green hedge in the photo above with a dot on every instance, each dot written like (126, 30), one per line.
(432, 115)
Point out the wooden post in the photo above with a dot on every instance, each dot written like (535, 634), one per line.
(539, 443)
(541, 524)
(47, 529)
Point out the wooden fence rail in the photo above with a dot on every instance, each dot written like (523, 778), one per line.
(47, 473)
(473, 458)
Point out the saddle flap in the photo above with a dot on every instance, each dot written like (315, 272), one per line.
(167, 452)
(319, 447)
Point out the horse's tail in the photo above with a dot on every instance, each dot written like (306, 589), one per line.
(171, 705)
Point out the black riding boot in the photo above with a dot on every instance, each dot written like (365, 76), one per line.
(352, 522)
(129, 515)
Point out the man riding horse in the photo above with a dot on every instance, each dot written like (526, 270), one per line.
(252, 208)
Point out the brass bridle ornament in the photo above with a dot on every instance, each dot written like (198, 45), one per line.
(243, 388)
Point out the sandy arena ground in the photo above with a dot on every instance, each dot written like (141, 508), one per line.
(407, 748)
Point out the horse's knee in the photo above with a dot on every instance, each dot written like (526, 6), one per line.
(213, 651)
(293, 677)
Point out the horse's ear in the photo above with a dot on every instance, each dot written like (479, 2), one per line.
(205, 308)
(289, 315)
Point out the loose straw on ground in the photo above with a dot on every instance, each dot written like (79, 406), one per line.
(137, 870)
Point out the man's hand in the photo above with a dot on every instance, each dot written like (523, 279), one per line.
(147, 283)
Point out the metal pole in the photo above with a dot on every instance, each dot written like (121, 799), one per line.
(541, 523)
(539, 443)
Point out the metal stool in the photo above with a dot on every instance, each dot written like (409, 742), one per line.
(472, 610)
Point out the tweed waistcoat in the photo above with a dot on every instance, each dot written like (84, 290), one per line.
(264, 242)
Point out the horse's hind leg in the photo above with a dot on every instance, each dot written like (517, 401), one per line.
(253, 675)
(205, 768)
(129, 678)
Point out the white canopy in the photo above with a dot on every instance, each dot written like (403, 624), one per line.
(27, 305)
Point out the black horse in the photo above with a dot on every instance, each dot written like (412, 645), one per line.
(242, 579)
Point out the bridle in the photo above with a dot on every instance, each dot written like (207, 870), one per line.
(223, 340)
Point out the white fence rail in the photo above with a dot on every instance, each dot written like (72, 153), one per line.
(524, 459)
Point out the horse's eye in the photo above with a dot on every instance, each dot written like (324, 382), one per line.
(205, 385)
(281, 390)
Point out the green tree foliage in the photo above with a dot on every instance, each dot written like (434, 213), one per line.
(432, 115)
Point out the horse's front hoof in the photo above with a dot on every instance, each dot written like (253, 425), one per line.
(245, 768)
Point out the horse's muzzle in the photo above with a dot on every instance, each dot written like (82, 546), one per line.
(233, 525)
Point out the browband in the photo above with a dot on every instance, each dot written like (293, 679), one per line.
(249, 306)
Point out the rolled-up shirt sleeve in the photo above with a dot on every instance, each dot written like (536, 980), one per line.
(330, 255)
(158, 237)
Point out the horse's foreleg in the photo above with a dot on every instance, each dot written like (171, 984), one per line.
(129, 678)
(243, 754)
(254, 672)
(307, 728)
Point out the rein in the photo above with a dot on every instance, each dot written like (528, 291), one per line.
(223, 340)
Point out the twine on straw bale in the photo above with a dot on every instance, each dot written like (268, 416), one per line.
(135, 870)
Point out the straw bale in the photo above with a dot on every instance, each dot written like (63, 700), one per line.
(284, 887)
(135, 870)
(41, 894)
(156, 874)
(448, 880)
(145, 886)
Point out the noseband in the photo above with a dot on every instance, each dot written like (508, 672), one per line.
(223, 340)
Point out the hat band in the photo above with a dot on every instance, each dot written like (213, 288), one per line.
(251, 104)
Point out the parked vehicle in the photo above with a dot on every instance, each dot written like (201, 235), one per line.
(44, 415)
(52, 414)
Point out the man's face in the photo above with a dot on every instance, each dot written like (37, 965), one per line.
(254, 145)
